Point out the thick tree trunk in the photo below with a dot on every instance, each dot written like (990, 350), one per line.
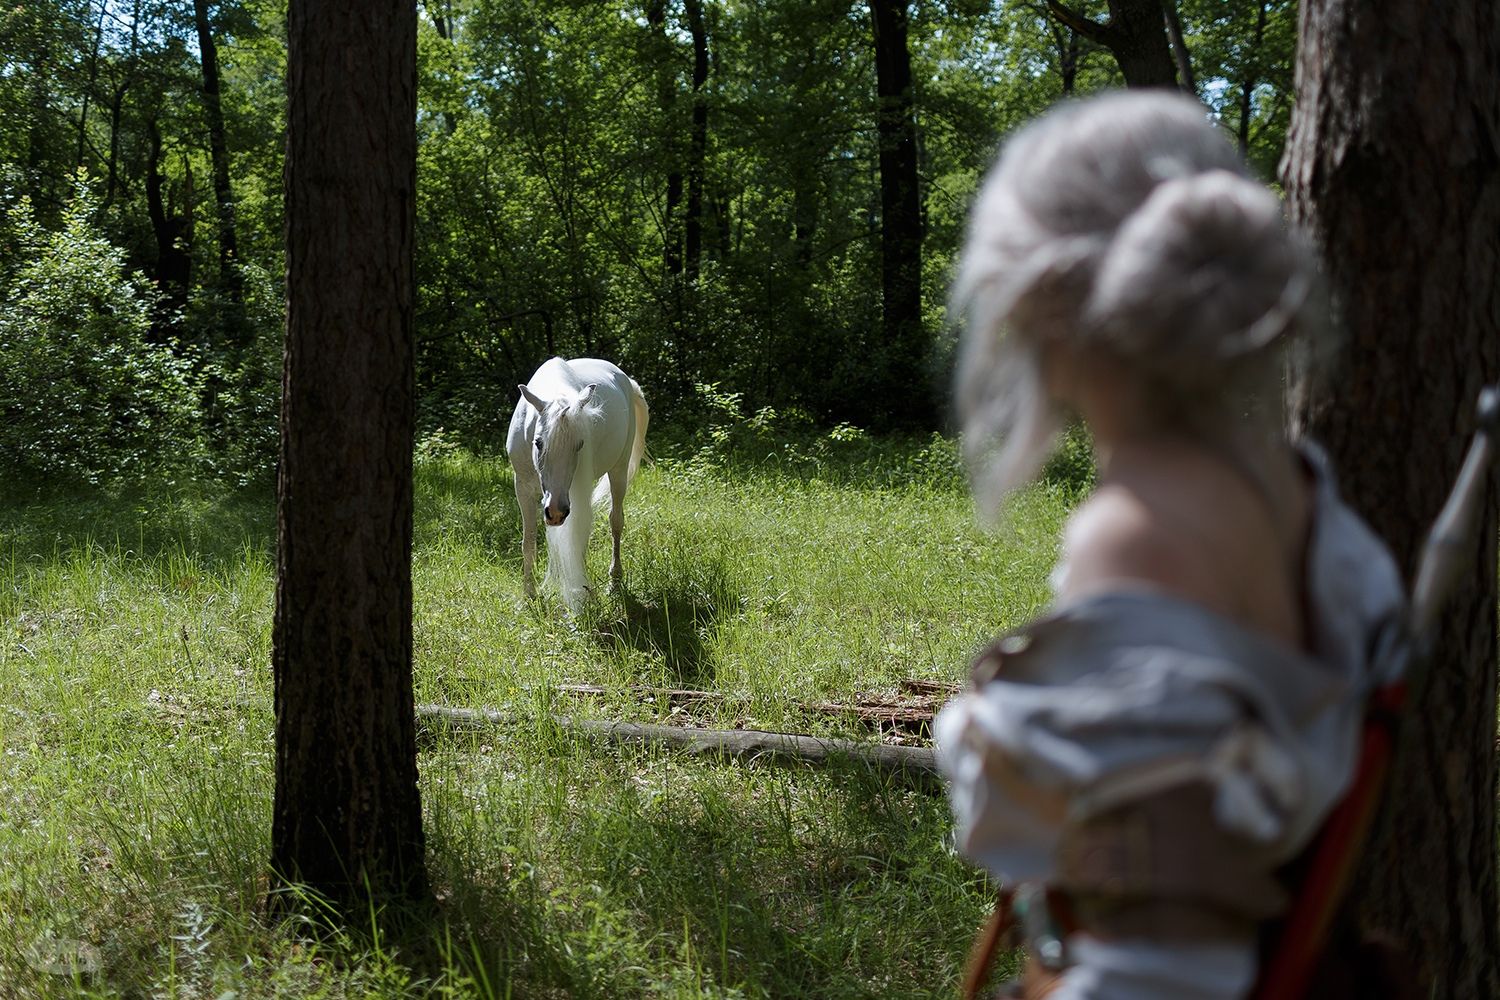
(347, 818)
(1135, 35)
(904, 344)
(218, 150)
(1393, 165)
(697, 141)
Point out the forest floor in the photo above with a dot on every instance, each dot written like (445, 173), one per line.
(136, 726)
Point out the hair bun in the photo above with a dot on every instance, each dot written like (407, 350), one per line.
(1204, 272)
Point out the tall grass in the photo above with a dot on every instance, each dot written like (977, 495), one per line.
(136, 748)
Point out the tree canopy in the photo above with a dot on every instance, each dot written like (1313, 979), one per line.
(690, 187)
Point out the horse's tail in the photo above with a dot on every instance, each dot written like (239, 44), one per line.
(642, 418)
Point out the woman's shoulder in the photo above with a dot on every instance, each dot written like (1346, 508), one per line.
(1119, 537)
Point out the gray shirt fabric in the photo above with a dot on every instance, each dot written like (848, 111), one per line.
(1114, 702)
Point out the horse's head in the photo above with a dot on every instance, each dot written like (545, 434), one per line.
(560, 435)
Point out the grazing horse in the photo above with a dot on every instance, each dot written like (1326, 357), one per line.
(577, 422)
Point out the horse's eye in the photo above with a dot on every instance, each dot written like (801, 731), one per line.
(580, 446)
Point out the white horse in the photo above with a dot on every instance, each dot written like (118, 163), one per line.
(577, 422)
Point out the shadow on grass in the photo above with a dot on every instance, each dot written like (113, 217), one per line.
(471, 502)
(670, 609)
(215, 524)
(834, 886)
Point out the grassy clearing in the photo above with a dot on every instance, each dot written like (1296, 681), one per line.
(135, 781)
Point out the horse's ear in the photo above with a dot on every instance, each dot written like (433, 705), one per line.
(588, 392)
(537, 403)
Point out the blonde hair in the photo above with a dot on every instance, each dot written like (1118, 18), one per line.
(1124, 225)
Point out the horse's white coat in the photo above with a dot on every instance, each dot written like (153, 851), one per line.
(579, 425)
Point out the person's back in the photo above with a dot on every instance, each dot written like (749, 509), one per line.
(1149, 753)
(1177, 518)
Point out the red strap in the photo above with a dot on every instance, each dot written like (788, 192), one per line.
(1288, 972)
(982, 952)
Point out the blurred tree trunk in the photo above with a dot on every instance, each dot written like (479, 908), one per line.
(218, 149)
(1393, 165)
(1135, 35)
(347, 817)
(697, 141)
(903, 341)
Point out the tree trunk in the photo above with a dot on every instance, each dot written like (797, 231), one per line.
(88, 91)
(666, 89)
(1068, 51)
(117, 107)
(347, 817)
(1180, 52)
(1250, 78)
(218, 149)
(1392, 164)
(1135, 35)
(697, 141)
(904, 345)
(172, 273)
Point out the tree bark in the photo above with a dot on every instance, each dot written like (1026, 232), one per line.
(347, 817)
(1135, 35)
(697, 142)
(218, 150)
(1392, 164)
(904, 345)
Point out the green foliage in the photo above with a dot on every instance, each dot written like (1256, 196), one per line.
(83, 393)
(1071, 466)
(550, 133)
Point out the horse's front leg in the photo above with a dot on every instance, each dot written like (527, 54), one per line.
(616, 527)
(529, 496)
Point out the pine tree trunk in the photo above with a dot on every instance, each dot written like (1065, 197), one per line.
(1392, 163)
(347, 817)
(218, 150)
(903, 345)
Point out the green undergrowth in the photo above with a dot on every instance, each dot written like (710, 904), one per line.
(135, 722)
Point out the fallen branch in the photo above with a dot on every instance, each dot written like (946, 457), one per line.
(910, 710)
(916, 766)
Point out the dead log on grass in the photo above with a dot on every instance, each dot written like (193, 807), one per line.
(915, 766)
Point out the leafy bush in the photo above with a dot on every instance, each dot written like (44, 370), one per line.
(1072, 463)
(84, 394)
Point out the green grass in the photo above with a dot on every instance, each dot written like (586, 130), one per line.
(135, 740)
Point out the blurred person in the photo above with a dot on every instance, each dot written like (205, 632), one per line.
(1141, 761)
